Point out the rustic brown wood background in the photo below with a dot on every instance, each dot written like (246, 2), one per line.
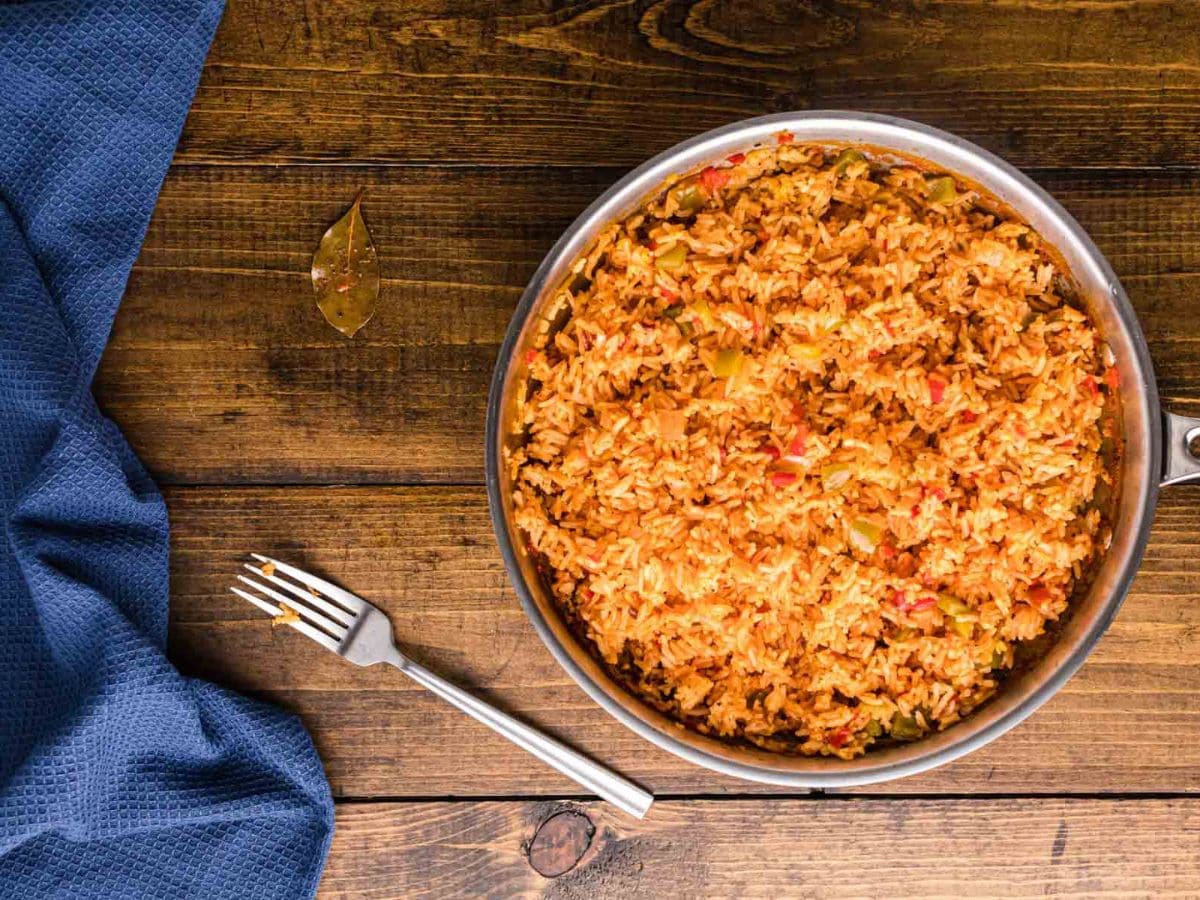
(479, 131)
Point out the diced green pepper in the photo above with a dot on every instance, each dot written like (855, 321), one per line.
(952, 606)
(689, 198)
(845, 159)
(805, 352)
(727, 363)
(873, 728)
(672, 312)
(865, 535)
(942, 190)
(999, 655)
(704, 313)
(672, 258)
(835, 476)
(905, 728)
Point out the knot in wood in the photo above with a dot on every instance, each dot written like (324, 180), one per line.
(560, 842)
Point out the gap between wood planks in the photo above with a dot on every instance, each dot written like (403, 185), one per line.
(221, 371)
(817, 795)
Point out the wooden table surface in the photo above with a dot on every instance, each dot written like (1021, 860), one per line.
(479, 131)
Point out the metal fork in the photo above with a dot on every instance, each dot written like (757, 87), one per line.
(360, 632)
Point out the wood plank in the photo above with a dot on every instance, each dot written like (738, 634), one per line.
(1091, 82)
(221, 369)
(1127, 722)
(770, 848)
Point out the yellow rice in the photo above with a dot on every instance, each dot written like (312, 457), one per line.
(838, 531)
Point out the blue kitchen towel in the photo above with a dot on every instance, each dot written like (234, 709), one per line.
(118, 776)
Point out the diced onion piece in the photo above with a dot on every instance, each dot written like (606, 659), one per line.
(835, 476)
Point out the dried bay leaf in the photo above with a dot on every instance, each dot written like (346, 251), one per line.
(345, 272)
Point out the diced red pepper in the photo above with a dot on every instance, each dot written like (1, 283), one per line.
(756, 327)
(1039, 593)
(873, 354)
(721, 452)
(713, 179)
(1020, 429)
(887, 326)
(782, 479)
(530, 357)
(916, 510)
(937, 389)
(770, 450)
(736, 158)
(969, 417)
(1112, 378)
(917, 604)
(838, 739)
(1090, 384)
(785, 137)
(595, 557)
(799, 442)
(669, 296)
(797, 411)
(938, 493)
(652, 244)
(887, 550)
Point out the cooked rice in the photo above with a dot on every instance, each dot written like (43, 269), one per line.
(844, 541)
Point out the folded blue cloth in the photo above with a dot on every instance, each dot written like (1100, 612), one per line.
(118, 776)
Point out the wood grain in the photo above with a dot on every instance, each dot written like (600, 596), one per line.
(221, 369)
(774, 848)
(1128, 722)
(1084, 83)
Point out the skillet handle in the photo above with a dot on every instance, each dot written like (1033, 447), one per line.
(1180, 465)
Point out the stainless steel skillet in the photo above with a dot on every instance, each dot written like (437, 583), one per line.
(1156, 447)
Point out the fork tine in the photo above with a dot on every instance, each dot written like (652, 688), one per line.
(335, 612)
(332, 591)
(336, 629)
(307, 630)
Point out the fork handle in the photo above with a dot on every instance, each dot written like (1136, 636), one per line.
(596, 778)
